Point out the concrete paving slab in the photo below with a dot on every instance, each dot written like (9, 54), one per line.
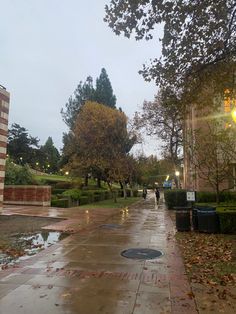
(86, 273)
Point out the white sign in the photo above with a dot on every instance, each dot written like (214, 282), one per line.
(191, 196)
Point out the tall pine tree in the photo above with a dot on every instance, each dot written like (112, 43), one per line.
(104, 92)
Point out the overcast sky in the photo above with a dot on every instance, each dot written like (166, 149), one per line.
(48, 46)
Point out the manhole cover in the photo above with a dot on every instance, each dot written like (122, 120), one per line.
(141, 253)
(110, 226)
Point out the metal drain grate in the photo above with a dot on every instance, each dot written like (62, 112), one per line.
(144, 254)
(110, 226)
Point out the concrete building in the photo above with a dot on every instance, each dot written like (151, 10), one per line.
(4, 111)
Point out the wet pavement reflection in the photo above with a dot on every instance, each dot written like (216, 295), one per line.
(85, 273)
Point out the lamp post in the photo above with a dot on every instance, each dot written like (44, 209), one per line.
(233, 114)
(177, 178)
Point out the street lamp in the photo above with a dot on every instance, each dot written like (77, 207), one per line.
(177, 173)
(233, 114)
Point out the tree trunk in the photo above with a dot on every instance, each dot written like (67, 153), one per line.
(124, 190)
(86, 180)
(99, 182)
(112, 192)
(217, 194)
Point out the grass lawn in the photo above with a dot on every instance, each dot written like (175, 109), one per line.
(121, 202)
(52, 177)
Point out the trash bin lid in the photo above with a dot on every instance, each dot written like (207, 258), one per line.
(182, 208)
(205, 208)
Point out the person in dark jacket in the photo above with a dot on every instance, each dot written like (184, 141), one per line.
(144, 193)
(157, 193)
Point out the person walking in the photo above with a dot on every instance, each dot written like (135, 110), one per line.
(144, 193)
(157, 193)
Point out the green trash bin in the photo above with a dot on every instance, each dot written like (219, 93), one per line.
(182, 215)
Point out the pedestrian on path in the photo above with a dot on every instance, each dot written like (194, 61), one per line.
(144, 193)
(157, 193)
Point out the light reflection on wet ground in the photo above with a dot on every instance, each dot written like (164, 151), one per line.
(86, 273)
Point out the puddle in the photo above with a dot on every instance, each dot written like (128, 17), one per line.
(31, 244)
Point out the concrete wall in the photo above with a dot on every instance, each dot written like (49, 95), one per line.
(4, 111)
(27, 195)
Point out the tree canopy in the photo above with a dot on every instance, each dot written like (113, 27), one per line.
(101, 93)
(162, 118)
(21, 146)
(50, 156)
(197, 34)
(102, 142)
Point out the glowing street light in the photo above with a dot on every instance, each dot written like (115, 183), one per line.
(177, 173)
(233, 114)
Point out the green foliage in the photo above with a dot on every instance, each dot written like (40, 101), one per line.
(175, 198)
(49, 156)
(62, 202)
(210, 197)
(227, 217)
(18, 175)
(74, 194)
(104, 93)
(211, 24)
(205, 197)
(101, 195)
(21, 146)
(83, 200)
(63, 185)
(58, 191)
(97, 198)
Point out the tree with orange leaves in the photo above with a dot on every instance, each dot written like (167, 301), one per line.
(102, 143)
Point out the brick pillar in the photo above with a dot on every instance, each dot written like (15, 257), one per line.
(4, 109)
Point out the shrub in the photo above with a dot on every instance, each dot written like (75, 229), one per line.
(63, 185)
(175, 198)
(89, 195)
(206, 197)
(97, 198)
(135, 193)
(83, 200)
(74, 194)
(18, 175)
(227, 218)
(108, 195)
(101, 195)
(210, 197)
(63, 202)
(58, 191)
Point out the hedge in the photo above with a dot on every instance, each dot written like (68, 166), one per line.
(97, 198)
(83, 200)
(63, 202)
(175, 198)
(89, 195)
(58, 191)
(74, 194)
(210, 197)
(227, 217)
(101, 195)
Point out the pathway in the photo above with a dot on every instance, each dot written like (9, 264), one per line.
(86, 274)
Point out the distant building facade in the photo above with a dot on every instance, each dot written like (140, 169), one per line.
(197, 120)
(4, 111)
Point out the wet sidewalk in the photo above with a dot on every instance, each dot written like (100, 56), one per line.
(86, 273)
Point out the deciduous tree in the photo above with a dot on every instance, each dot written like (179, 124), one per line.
(197, 34)
(102, 142)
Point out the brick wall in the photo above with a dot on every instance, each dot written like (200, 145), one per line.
(27, 195)
(4, 110)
